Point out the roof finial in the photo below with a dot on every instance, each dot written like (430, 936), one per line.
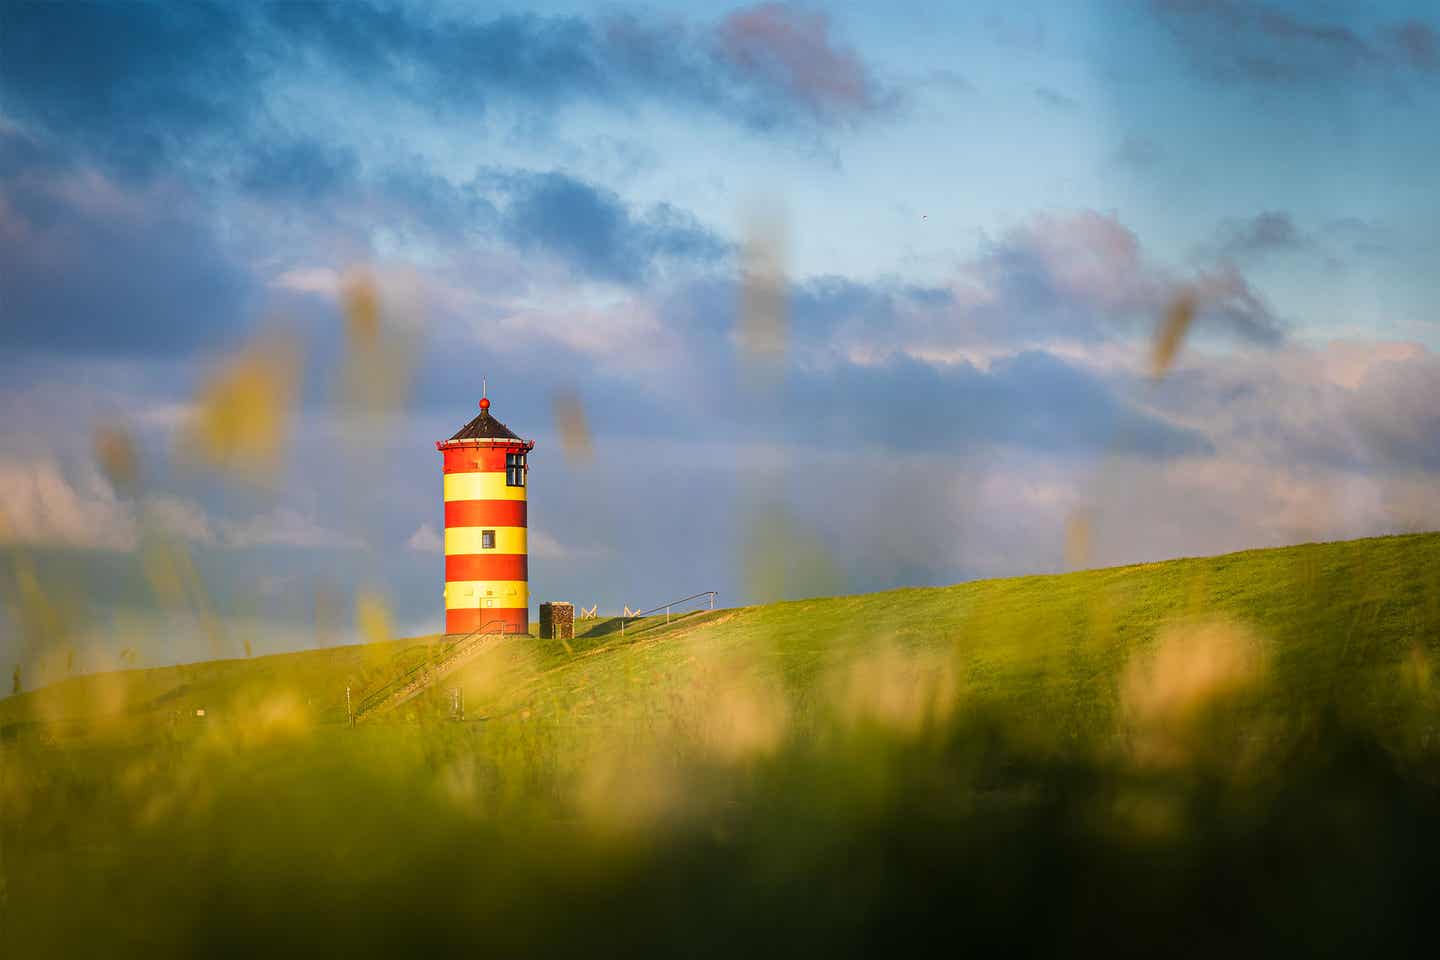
(484, 400)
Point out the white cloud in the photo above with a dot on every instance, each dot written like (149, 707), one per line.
(40, 504)
(1078, 284)
(179, 518)
(1367, 406)
(285, 527)
(46, 403)
(318, 280)
(547, 547)
(1214, 505)
(425, 540)
(406, 293)
(595, 323)
(46, 505)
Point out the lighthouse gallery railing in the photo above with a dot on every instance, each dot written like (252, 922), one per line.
(712, 595)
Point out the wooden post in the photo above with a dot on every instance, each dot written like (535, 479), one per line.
(349, 713)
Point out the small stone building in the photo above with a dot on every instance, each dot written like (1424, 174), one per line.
(557, 621)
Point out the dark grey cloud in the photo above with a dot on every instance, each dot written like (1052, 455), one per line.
(197, 96)
(139, 85)
(130, 82)
(449, 62)
(1268, 43)
(586, 226)
(981, 350)
(1252, 238)
(1079, 277)
(1137, 153)
(823, 306)
(1396, 414)
(99, 264)
(765, 66)
(781, 48)
(1361, 237)
(1055, 99)
(1418, 44)
(1015, 31)
(1085, 275)
(91, 269)
(297, 169)
(591, 229)
(1332, 244)
(1032, 400)
(1270, 230)
(1228, 302)
(1361, 407)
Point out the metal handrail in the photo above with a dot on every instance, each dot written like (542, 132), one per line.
(394, 685)
(712, 594)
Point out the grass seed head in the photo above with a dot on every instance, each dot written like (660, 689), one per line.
(762, 321)
(734, 712)
(1171, 332)
(574, 429)
(242, 416)
(1192, 670)
(115, 453)
(1079, 537)
(905, 692)
(360, 302)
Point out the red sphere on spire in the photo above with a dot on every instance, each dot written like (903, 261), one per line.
(484, 403)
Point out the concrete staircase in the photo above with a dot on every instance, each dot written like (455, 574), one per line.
(409, 686)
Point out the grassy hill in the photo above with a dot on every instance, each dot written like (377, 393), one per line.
(1196, 754)
(1334, 617)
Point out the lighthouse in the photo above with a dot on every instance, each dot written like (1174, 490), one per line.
(486, 560)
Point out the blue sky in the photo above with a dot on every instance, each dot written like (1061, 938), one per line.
(972, 221)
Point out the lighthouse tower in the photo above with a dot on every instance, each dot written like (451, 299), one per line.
(486, 560)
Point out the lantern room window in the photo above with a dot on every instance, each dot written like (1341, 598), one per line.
(515, 469)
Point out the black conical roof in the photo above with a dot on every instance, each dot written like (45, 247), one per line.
(484, 427)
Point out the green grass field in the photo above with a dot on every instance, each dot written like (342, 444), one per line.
(1236, 752)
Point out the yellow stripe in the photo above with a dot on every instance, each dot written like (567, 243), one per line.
(485, 594)
(489, 485)
(467, 540)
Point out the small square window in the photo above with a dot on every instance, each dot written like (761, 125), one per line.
(487, 539)
(515, 469)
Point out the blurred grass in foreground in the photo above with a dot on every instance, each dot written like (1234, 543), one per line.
(1233, 753)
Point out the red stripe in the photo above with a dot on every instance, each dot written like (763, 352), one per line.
(464, 621)
(473, 566)
(485, 513)
(477, 459)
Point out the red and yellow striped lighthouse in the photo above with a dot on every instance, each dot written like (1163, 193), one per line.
(486, 560)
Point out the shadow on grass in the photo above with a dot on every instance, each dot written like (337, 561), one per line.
(644, 626)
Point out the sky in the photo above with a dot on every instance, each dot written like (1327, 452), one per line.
(846, 297)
